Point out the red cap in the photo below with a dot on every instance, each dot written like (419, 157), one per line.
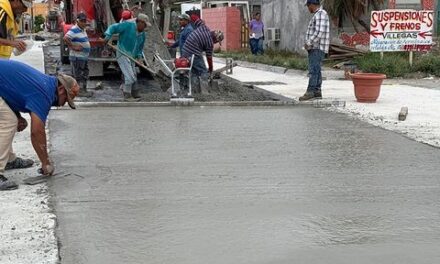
(126, 14)
(194, 17)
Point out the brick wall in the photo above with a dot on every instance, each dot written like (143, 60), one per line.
(425, 4)
(228, 20)
(428, 4)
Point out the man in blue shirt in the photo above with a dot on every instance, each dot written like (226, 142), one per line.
(24, 89)
(131, 42)
(186, 30)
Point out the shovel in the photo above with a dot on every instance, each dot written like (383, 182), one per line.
(133, 59)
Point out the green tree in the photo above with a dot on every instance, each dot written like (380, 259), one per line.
(38, 22)
(352, 10)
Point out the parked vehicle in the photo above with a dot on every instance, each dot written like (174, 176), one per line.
(100, 14)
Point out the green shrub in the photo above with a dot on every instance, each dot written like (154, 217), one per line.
(429, 64)
(393, 64)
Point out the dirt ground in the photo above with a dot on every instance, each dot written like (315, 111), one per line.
(107, 88)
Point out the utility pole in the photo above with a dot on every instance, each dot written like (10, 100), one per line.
(32, 18)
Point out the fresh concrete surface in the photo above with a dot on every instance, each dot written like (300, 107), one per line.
(241, 185)
(422, 124)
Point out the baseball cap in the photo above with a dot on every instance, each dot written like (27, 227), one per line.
(185, 17)
(81, 16)
(126, 14)
(144, 18)
(71, 86)
(312, 2)
(218, 35)
(27, 3)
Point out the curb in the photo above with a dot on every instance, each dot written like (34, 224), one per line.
(255, 66)
(323, 103)
(327, 74)
(170, 104)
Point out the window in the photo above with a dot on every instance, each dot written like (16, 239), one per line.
(409, 4)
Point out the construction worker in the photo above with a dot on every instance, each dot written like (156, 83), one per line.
(131, 42)
(9, 12)
(24, 89)
(317, 43)
(202, 39)
(78, 41)
(186, 30)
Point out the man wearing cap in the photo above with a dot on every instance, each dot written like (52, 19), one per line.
(317, 45)
(78, 41)
(186, 29)
(202, 39)
(24, 89)
(131, 42)
(10, 11)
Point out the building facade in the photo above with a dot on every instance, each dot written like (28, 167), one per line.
(291, 18)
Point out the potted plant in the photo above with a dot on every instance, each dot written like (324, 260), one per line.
(367, 86)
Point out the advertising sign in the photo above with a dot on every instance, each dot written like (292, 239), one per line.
(401, 30)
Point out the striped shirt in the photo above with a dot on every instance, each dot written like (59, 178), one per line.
(199, 41)
(78, 36)
(318, 32)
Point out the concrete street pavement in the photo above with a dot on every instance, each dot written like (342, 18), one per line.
(387, 217)
(241, 185)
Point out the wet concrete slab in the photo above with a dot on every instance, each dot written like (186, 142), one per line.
(240, 185)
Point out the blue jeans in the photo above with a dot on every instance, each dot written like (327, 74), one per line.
(199, 66)
(256, 46)
(128, 69)
(80, 71)
(316, 57)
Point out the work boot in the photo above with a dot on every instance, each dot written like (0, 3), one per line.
(136, 93)
(307, 97)
(85, 93)
(6, 185)
(204, 85)
(129, 98)
(19, 163)
(318, 95)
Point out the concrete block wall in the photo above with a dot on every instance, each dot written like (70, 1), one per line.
(228, 20)
(291, 17)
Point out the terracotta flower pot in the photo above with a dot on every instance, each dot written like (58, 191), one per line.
(367, 86)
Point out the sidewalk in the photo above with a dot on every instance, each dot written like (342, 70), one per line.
(422, 123)
(27, 225)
